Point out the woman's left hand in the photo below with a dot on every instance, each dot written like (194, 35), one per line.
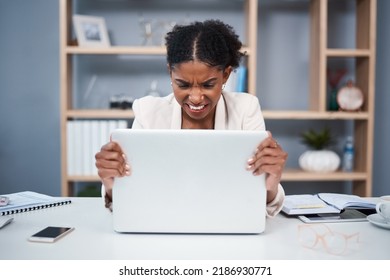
(269, 158)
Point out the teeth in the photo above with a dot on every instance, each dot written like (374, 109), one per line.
(196, 107)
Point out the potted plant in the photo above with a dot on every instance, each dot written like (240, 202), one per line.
(318, 158)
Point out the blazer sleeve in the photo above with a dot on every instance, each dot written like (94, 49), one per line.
(254, 120)
(275, 206)
(136, 122)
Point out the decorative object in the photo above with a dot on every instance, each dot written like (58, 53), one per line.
(334, 78)
(153, 91)
(91, 31)
(166, 26)
(147, 30)
(350, 97)
(121, 101)
(153, 31)
(348, 155)
(318, 158)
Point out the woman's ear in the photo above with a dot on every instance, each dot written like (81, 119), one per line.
(226, 73)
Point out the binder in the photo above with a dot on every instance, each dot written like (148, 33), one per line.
(29, 201)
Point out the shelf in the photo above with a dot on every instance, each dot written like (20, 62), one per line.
(117, 50)
(299, 175)
(314, 115)
(289, 175)
(81, 178)
(270, 115)
(130, 50)
(100, 114)
(347, 53)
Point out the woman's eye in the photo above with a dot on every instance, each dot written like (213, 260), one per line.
(208, 86)
(183, 86)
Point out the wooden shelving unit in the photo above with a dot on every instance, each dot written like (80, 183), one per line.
(67, 51)
(364, 55)
(320, 53)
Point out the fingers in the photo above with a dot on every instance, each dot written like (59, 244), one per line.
(269, 158)
(111, 146)
(269, 142)
(110, 168)
(267, 164)
(111, 162)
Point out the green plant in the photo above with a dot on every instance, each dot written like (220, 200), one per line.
(317, 140)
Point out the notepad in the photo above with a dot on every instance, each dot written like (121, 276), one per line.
(306, 204)
(28, 201)
(323, 203)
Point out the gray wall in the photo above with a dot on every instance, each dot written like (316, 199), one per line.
(29, 90)
(381, 180)
(29, 96)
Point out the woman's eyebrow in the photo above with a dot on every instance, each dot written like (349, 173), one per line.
(209, 81)
(181, 81)
(202, 83)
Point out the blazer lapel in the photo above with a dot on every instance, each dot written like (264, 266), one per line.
(221, 114)
(176, 115)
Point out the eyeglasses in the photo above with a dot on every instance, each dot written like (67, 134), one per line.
(335, 243)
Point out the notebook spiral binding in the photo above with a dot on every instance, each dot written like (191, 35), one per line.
(35, 207)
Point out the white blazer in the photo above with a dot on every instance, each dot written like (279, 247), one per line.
(235, 111)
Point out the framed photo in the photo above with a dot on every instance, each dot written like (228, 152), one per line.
(91, 31)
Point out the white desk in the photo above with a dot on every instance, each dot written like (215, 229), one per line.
(94, 239)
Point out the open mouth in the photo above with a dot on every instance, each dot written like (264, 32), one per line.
(196, 108)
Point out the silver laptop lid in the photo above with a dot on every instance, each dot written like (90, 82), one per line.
(189, 181)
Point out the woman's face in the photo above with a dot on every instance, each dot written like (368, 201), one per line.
(197, 88)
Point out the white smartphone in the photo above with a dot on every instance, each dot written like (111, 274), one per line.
(348, 215)
(50, 234)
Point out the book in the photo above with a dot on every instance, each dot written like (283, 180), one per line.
(237, 81)
(84, 140)
(28, 201)
(323, 203)
(241, 79)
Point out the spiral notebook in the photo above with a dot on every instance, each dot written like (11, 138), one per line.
(30, 201)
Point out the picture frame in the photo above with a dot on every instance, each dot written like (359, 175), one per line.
(91, 31)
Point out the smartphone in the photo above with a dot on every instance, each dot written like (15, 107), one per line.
(50, 234)
(348, 215)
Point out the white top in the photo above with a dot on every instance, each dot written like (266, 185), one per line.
(235, 111)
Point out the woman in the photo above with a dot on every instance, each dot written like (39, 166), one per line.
(200, 57)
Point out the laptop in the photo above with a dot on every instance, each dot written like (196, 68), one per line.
(189, 181)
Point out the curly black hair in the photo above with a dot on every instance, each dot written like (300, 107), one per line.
(212, 42)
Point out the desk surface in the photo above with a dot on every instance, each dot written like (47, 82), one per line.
(94, 238)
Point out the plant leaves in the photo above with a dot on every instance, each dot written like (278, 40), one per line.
(317, 140)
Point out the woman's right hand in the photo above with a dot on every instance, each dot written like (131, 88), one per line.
(111, 162)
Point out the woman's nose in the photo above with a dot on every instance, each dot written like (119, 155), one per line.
(196, 95)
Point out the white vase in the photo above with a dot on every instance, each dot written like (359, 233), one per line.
(319, 161)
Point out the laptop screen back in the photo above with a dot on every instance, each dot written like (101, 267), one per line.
(189, 181)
